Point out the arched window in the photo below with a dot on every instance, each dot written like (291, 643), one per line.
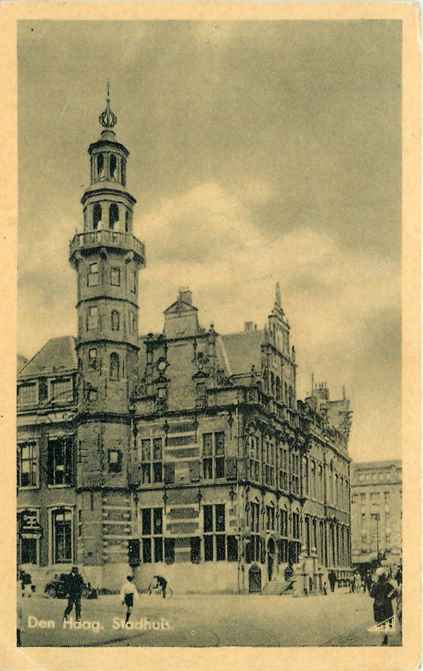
(114, 366)
(127, 221)
(114, 215)
(123, 171)
(100, 166)
(113, 167)
(97, 216)
(115, 320)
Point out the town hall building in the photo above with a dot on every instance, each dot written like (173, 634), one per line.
(184, 453)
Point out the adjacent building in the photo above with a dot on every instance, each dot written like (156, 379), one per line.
(186, 448)
(376, 509)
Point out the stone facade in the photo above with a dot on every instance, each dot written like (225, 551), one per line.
(189, 441)
(376, 508)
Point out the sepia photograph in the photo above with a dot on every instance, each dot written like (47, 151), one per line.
(209, 315)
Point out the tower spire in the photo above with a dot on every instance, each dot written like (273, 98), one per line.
(278, 299)
(107, 118)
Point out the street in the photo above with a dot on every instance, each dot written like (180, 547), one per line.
(339, 619)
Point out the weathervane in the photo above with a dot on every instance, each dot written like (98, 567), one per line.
(108, 119)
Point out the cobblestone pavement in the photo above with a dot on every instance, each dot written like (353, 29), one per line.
(339, 619)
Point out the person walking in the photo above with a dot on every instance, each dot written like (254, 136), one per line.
(332, 580)
(128, 593)
(74, 588)
(382, 592)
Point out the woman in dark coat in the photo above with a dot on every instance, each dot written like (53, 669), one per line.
(382, 591)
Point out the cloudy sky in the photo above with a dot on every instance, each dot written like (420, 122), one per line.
(260, 152)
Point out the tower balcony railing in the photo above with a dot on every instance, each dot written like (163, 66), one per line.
(107, 238)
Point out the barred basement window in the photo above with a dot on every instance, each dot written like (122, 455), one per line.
(214, 455)
(152, 535)
(151, 460)
(60, 460)
(214, 532)
(28, 464)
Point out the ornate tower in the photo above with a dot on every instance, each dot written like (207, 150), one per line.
(107, 258)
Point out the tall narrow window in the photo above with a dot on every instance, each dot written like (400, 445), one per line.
(114, 215)
(123, 171)
(152, 535)
(115, 276)
(92, 357)
(97, 216)
(60, 460)
(28, 464)
(100, 166)
(213, 455)
(151, 460)
(126, 221)
(214, 533)
(92, 318)
(93, 275)
(113, 167)
(114, 366)
(62, 536)
(115, 320)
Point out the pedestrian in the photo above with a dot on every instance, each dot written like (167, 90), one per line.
(74, 586)
(332, 580)
(26, 584)
(382, 592)
(162, 584)
(128, 593)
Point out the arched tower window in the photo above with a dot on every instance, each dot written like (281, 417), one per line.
(115, 320)
(114, 215)
(126, 221)
(123, 171)
(100, 166)
(113, 167)
(114, 366)
(97, 216)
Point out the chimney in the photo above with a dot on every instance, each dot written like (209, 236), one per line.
(185, 295)
(248, 327)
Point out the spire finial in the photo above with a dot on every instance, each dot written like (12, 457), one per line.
(278, 299)
(108, 119)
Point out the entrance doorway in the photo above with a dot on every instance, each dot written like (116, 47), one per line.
(254, 579)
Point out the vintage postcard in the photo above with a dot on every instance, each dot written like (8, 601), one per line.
(212, 213)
